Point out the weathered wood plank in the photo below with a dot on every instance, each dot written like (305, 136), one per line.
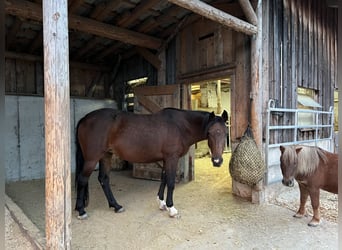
(149, 56)
(249, 12)
(216, 15)
(57, 126)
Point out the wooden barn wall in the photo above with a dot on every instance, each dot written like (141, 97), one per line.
(302, 52)
(208, 50)
(25, 77)
(171, 62)
(205, 45)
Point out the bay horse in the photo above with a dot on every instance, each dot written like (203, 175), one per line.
(314, 169)
(142, 138)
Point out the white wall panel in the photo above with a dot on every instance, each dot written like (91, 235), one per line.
(25, 142)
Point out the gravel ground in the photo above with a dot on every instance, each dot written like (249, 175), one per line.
(210, 216)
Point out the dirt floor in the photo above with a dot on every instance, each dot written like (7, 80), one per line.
(211, 217)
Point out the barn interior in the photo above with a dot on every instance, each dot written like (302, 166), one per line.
(115, 47)
(142, 55)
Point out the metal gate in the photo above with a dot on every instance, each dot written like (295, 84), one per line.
(283, 128)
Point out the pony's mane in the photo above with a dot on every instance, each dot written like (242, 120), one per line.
(307, 159)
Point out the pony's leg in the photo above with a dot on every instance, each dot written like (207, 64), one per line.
(304, 193)
(103, 178)
(316, 219)
(170, 182)
(160, 197)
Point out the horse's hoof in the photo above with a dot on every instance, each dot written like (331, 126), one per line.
(83, 216)
(120, 210)
(162, 204)
(314, 223)
(298, 216)
(172, 212)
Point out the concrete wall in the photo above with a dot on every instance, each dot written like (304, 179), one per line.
(25, 135)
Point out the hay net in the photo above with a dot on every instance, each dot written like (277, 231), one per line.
(246, 164)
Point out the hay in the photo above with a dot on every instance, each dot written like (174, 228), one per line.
(247, 165)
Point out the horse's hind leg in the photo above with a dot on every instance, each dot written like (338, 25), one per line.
(160, 198)
(105, 184)
(82, 198)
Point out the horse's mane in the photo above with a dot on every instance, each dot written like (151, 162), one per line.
(307, 159)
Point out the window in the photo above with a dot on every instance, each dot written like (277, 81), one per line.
(306, 100)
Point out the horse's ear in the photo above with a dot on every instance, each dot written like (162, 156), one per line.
(282, 149)
(225, 116)
(298, 150)
(212, 115)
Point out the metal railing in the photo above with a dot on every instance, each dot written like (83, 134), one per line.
(294, 128)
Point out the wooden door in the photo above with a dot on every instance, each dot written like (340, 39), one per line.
(151, 99)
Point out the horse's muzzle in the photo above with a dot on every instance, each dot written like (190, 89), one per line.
(217, 162)
(289, 183)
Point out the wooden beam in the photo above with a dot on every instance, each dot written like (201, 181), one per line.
(249, 11)
(136, 13)
(57, 125)
(150, 57)
(79, 65)
(217, 15)
(33, 11)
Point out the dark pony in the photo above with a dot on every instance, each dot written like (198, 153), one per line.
(164, 136)
(314, 169)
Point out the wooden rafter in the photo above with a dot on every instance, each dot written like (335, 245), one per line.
(249, 11)
(217, 15)
(33, 11)
(136, 13)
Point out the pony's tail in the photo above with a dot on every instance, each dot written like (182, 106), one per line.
(79, 167)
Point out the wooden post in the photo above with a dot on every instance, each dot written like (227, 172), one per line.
(218, 93)
(258, 193)
(57, 125)
(256, 82)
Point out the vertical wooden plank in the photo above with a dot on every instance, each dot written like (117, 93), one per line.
(319, 43)
(310, 47)
(277, 50)
(300, 44)
(57, 125)
(305, 44)
(285, 60)
(294, 48)
(315, 48)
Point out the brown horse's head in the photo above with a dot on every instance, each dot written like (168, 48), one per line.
(289, 164)
(217, 136)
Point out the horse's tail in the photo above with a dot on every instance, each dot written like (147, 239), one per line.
(79, 165)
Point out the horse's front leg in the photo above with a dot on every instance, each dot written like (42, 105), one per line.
(304, 193)
(314, 196)
(160, 197)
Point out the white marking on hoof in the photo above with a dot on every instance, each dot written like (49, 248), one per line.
(120, 210)
(83, 216)
(162, 204)
(172, 211)
(314, 223)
